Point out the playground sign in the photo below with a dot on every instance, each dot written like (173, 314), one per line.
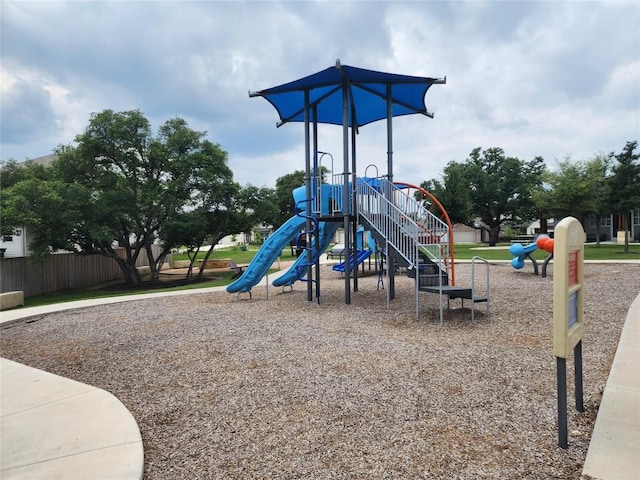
(568, 321)
(568, 259)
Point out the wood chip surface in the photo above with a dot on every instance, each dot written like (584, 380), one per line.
(285, 388)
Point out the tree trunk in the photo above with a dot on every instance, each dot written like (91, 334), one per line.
(204, 261)
(129, 272)
(193, 255)
(544, 225)
(152, 264)
(623, 222)
(156, 264)
(494, 235)
(127, 265)
(214, 242)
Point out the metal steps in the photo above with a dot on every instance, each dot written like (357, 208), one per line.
(477, 293)
(412, 238)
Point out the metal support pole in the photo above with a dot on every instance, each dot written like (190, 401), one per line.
(307, 181)
(354, 202)
(386, 253)
(317, 174)
(561, 367)
(346, 200)
(389, 135)
(389, 192)
(577, 359)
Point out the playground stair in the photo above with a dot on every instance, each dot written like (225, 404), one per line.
(432, 279)
(400, 226)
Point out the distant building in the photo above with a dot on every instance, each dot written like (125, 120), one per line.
(534, 227)
(611, 227)
(14, 245)
(465, 234)
(44, 160)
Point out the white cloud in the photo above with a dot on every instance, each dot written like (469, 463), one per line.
(535, 78)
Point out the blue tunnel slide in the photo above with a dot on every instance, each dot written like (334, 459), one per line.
(271, 250)
(325, 233)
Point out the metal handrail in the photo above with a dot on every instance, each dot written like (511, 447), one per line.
(473, 283)
(404, 222)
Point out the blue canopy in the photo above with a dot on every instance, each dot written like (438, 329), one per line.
(368, 92)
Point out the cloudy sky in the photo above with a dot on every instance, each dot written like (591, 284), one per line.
(551, 79)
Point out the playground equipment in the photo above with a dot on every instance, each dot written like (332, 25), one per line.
(544, 242)
(520, 252)
(357, 257)
(364, 248)
(402, 230)
(407, 234)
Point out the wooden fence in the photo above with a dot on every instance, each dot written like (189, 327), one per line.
(62, 271)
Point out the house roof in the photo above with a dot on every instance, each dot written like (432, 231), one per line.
(461, 227)
(44, 160)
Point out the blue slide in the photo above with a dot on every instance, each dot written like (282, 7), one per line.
(325, 233)
(361, 257)
(268, 253)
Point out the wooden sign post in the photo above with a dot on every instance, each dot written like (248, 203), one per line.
(568, 321)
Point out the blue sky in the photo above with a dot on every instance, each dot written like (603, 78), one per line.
(550, 79)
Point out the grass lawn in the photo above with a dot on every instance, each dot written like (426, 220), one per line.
(117, 289)
(463, 251)
(235, 253)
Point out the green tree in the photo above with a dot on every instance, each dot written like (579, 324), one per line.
(543, 203)
(187, 230)
(597, 171)
(452, 193)
(136, 183)
(223, 210)
(576, 188)
(45, 206)
(570, 193)
(285, 186)
(501, 188)
(283, 196)
(624, 190)
(260, 204)
(12, 174)
(194, 228)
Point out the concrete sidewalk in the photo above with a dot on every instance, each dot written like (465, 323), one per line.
(56, 428)
(8, 316)
(614, 450)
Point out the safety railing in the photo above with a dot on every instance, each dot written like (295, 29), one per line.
(432, 229)
(337, 195)
(405, 224)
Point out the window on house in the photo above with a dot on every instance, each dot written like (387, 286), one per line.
(605, 221)
(7, 238)
(636, 216)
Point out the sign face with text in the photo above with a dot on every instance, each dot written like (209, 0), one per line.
(572, 267)
(568, 262)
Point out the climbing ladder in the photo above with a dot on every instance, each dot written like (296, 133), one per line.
(417, 239)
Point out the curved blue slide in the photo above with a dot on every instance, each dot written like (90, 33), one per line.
(362, 255)
(268, 253)
(325, 234)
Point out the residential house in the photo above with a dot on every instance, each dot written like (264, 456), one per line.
(14, 245)
(611, 227)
